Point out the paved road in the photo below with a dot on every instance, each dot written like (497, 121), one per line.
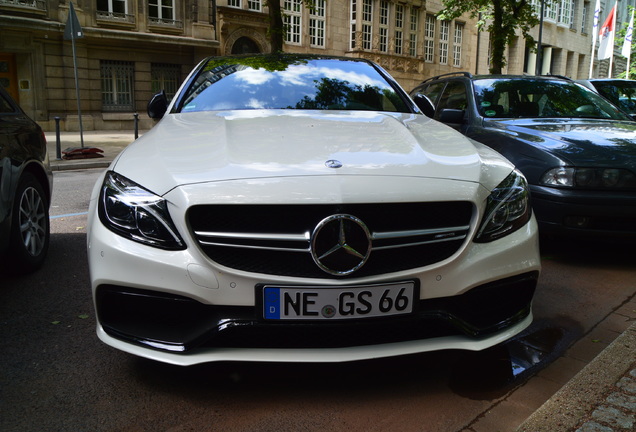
(56, 376)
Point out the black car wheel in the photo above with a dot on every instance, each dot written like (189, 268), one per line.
(30, 228)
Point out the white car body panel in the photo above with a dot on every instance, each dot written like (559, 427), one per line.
(256, 144)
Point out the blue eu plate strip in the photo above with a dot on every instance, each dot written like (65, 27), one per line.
(271, 303)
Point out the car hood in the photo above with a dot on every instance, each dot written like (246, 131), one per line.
(201, 147)
(579, 141)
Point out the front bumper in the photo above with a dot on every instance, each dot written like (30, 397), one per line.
(322, 355)
(592, 213)
(179, 324)
(178, 307)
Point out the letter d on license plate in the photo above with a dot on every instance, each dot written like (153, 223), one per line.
(318, 303)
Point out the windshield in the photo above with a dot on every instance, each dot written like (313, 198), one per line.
(622, 93)
(284, 82)
(540, 98)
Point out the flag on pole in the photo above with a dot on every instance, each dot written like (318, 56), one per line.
(597, 17)
(627, 45)
(606, 36)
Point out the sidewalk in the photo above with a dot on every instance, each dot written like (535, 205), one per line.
(110, 142)
(599, 398)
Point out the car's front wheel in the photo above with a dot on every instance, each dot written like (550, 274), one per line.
(30, 227)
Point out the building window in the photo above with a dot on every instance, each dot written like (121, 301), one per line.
(162, 10)
(584, 14)
(292, 19)
(399, 28)
(317, 24)
(444, 30)
(352, 23)
(384, 26)
(166, 77)
(565, 12)
(117, 85)
(550, 11)
(253, 5)
(457, 45)
(234, 3)
(115, 7)
(429, 39)
(414, 22)
(367, 23)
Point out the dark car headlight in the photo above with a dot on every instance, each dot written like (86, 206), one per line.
(137, 214)
(507, 209)
(589, 178)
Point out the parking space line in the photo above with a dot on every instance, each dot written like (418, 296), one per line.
(68, 215)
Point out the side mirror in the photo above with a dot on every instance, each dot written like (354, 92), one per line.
(449, 115)
(424, 104)
(158, 105)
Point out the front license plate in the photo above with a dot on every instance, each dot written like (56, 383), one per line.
(318, 303)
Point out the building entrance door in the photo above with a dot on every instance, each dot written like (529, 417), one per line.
(245, 45)
(8, 75)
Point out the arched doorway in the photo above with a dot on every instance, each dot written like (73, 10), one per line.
(245, 45)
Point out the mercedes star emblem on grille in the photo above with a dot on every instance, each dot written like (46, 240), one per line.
(340, 244)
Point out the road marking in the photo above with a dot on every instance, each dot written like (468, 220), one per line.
(68, 215)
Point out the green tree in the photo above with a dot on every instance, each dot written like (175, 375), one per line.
(500, 18)
(277, 27)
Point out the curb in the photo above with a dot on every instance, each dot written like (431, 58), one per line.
(110, 142)
(592, 394)
(64, 165)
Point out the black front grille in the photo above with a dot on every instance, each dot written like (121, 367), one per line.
(275, 239)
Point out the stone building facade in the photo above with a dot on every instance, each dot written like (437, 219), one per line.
(131, 49)
(127, 50)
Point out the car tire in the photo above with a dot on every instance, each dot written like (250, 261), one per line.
(30, 226)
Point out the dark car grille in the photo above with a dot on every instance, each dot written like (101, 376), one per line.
(275, 239)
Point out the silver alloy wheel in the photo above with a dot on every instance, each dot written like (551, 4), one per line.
(32, 221)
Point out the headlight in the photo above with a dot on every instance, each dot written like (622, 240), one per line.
(137, 214)
(507, 209)
(589, 178)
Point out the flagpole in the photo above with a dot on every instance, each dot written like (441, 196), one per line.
(627, 44)
(609, 72)
(77, 91)
(597, 15)
(72, 31)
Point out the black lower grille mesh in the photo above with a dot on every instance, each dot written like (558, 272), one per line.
(144, 317)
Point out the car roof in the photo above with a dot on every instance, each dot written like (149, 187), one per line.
(288, 56)
(472, 77)
(611, 80)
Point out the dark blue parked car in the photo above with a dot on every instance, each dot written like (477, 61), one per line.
(621, 92)
(576, 149)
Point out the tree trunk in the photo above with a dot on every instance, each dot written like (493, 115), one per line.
(275, 26)
(498, 40)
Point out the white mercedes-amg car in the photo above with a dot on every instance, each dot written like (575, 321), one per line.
(300, 208)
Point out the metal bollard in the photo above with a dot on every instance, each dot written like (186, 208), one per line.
(136, 125)
(58, 145)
